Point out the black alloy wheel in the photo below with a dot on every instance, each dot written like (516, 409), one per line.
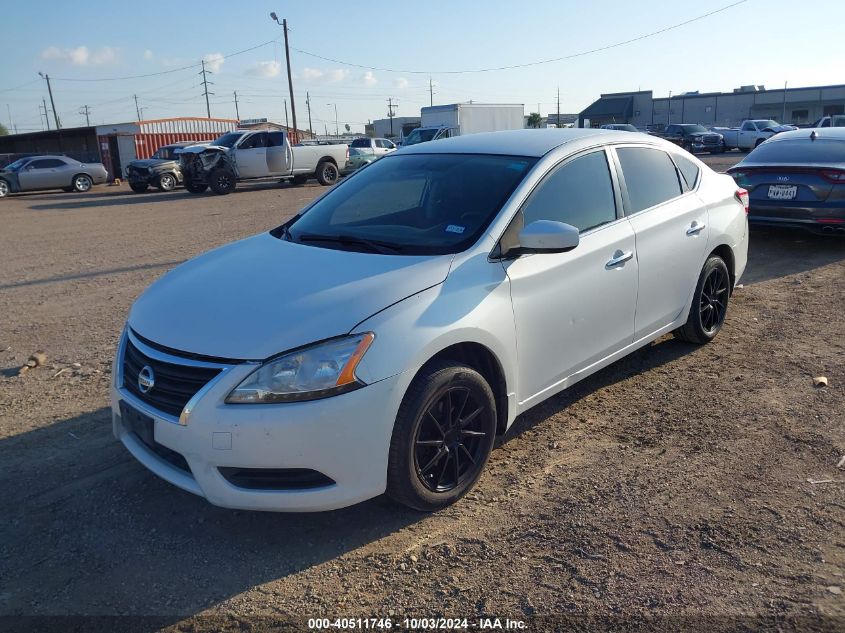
(713, 304)
(444, 432)
(449, 442)
(222, 181)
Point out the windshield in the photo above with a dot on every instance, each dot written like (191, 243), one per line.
(763, 124)
(420, 135)
(415, 204)
(16, 165)
(228, 139)
(164, 153)
(693, 129)
(798, 151)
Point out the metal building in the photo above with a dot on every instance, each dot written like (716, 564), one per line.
(791, 105)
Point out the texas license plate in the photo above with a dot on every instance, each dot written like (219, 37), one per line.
(783, 192)
(140, 424)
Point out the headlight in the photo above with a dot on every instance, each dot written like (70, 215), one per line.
(319, 371)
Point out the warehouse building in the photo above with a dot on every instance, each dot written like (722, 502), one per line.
(401, 126)
(798, 106)
(117, 144)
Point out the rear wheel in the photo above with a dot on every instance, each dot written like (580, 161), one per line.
(222, 181)
(442, 438)
(194, 187)
(82, 183)
(138, 187)
(327, 173)
(167, 182)
(709, 304)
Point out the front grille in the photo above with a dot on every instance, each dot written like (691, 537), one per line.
(711, 139)
(174, 384)
(276, 478)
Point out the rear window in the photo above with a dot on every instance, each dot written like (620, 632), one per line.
(799, 151)
(650, 177)
(360, 142)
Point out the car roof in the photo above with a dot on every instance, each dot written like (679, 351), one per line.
(536, 142)
(826, 133)
(52, 156)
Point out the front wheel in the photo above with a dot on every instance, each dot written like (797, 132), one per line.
(709, 304)
(4, 188)
(222, 181)
(442, 438)
(138, 187)
(82, 183)
(167, 182)
(327, 173)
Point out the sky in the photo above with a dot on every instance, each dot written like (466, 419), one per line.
(93, 52)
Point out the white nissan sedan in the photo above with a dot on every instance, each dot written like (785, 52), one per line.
(380, 340)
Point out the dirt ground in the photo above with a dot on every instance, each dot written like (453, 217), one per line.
(697, 486)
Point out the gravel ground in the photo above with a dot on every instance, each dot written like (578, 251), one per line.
(694, 484)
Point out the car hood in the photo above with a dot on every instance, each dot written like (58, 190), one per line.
(261, 296)
(151, 162)
(199, 149)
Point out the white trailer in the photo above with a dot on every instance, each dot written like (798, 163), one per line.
(459, 119)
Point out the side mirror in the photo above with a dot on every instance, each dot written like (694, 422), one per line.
(547, 236)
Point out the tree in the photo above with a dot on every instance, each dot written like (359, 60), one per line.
(534, 119)
(3, 130)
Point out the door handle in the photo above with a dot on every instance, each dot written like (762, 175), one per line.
(619, 259)
(695, 229)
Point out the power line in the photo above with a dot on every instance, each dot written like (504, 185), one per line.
(526, 64)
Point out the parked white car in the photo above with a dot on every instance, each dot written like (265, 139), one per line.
(751, 133)
(380, 339)
(377, 146)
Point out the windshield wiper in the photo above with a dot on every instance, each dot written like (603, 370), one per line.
(385, 248)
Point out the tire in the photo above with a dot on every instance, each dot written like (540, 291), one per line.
(439, 449)
(195, 188)
(166, 182)
(709, 303)
(4, 188)
(327, 173)
(757, 143)
(300, 180)
(138, 187)
(222, 181)
(82, 183)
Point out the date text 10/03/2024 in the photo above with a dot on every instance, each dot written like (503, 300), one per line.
(417, 624)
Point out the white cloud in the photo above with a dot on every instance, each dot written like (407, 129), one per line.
(81, 55)
(338, 74)
(401, 83)
(213, 61)
(264, 69)
(148, 54)
(368, 79)
(311, 73)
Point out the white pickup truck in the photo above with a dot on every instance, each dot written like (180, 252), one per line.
(260, 154)
(751, 133)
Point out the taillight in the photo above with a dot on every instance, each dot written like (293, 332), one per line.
(742, 196)
(833, 175)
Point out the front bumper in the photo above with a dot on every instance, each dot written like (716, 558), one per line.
(345, 437)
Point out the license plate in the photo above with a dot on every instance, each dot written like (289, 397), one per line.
(140, 424)
(783, 192)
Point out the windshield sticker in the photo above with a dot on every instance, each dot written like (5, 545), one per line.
(455, 228)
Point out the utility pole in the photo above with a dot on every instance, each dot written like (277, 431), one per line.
(391, 113)
(46, 113)
(52, 102)
(86, 111)
(308, 103)
(237, 114)
(205, 83)
(558, 106)
(9, 110)
(336, 126)
(286, 117)
(290, 79)
(137, 109)
(669, 110)
(783, 111)
(430, 92)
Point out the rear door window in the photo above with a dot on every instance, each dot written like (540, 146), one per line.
(689, 170)
(650, 177)
(360, 142)
(276, 139)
